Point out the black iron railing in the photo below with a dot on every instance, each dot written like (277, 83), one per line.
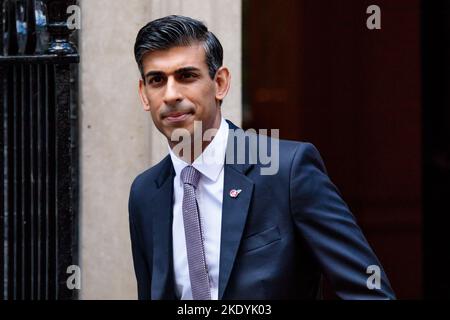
(39, 159)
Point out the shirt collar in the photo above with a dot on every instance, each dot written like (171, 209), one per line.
(210, 162)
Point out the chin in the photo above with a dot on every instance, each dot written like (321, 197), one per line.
(183, 130)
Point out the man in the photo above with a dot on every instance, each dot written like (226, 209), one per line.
(222, 229)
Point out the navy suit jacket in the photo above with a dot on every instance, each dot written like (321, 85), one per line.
(279, 236)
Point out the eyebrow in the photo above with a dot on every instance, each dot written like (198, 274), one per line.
(178, 71)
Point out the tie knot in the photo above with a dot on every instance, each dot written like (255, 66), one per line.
(190, 175)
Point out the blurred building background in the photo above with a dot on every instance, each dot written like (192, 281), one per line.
(374, 102)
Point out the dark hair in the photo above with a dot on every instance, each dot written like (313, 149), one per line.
(174, 30)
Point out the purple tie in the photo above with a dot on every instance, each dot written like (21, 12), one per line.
(198, 272)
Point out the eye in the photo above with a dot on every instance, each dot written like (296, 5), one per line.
(155, 80)
(188, 75)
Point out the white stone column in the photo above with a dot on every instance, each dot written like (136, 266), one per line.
(118, 139)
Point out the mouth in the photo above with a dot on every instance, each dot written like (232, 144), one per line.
(175, 117)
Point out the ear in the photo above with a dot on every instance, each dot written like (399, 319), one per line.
(144, 100)
(222, 82)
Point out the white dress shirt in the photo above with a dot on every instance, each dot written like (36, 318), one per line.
(209, 197)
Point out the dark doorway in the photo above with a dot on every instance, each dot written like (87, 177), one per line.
(315, 71)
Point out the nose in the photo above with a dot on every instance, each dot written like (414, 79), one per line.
(172, 95)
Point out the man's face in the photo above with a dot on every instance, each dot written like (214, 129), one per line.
(178, 89)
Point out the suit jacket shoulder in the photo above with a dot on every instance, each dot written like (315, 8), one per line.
(148, 180)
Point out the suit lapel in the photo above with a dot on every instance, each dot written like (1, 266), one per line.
(234, 215)
(163, 282)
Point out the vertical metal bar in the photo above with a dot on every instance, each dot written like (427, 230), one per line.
(47, 178)
(2, 28)
(22, 220)
(18, 185)
(44, 183)
(61, 103)
(2, 173)
(3, 181)
(26, 182)
(51, 191)
(38, 180)
(40, 152)
(64, 208)
(65, 186)
(56, 133)
(9, 213)
(26, 196)
(51, 164)
(31, 127)
(13, 236)
(73, 223)
(52, 281)
(35, 177)
(5, 154)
